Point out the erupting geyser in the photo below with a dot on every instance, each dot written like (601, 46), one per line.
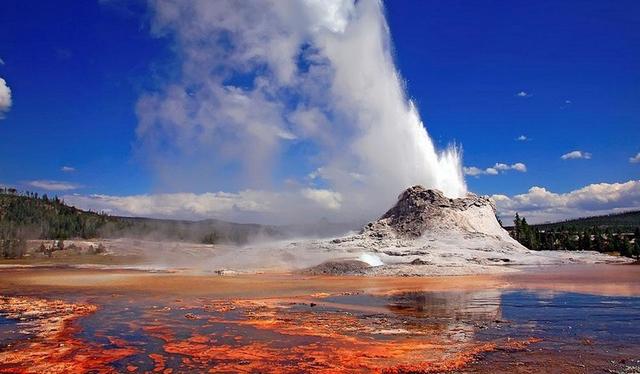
(392, 148)
(260, 78)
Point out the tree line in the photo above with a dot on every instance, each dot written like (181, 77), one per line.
(29, 215)
(572, 238)
(33, 216)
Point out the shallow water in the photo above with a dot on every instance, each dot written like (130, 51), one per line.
(8, 331)
(519, 324)
(580, 333)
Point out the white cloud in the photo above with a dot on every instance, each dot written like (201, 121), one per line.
(5, 98)
(257, 78)
(523, 94)
(541, 205)
(53, 185)
(326, 198)
(573, 155)
(519, 166)
(473, 171)
(495, 169)
(176, 204)
(243, 206)
(1, 61)
(567, 101)
(67, 169)
(635, 159)
(501, 166)
(522, 138)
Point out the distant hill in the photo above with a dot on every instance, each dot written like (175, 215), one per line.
(30, 216)
(624, 222)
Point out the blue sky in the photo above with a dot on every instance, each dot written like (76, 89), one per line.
(562, 74)
(465, 62)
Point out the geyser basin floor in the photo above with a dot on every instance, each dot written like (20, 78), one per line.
(570, 318)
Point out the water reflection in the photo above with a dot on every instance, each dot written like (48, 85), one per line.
(561, 315)
(416, 330)
(8, 331)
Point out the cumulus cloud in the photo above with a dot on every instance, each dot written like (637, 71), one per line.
(259, 81)
(519, 166)
(176, 204)
(243, 206)
(635, 159)
(325, 198)
(473, 171)
(522, 138)
(574, 155)
(495, 169)
(523, 94)
(541, 205)
(67, 169)
(5, 98)
(501, 166)
(50, 185)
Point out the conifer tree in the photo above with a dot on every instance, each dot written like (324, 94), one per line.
(636, 243)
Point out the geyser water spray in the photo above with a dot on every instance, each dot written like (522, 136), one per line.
(305, 91)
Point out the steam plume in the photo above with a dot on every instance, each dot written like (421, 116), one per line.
(302, 91)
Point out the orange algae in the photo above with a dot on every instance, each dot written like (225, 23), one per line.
(159, 362)
(336, 342)
(461, 359)
(304, 328)
(53, 348)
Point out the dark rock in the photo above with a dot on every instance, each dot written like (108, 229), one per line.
(338, 268)
(419, 261)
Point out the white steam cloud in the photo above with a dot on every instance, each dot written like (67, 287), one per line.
(267, 87)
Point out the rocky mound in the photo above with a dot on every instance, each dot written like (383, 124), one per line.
(420, 210)
(427, 233)
(343, 267)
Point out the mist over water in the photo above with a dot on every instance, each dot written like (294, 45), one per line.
(292, 108)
